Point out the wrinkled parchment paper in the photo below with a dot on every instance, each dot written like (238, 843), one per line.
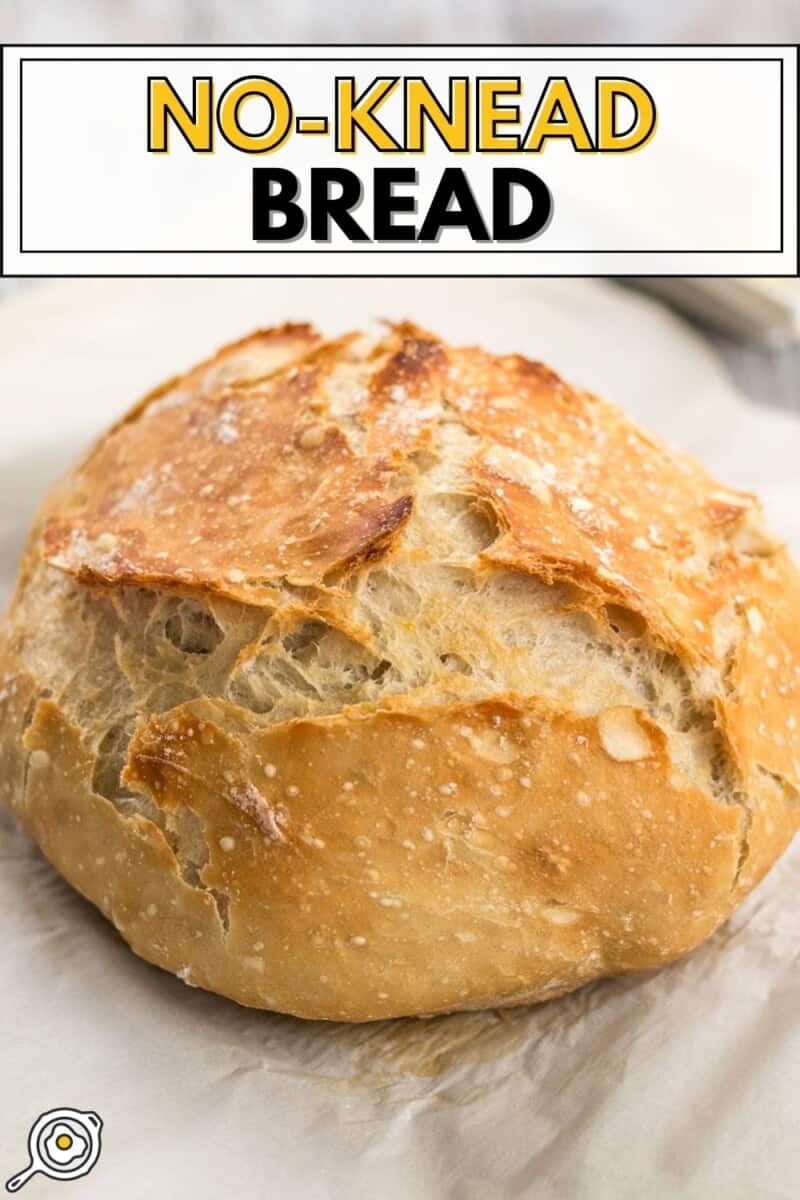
(681, 1084)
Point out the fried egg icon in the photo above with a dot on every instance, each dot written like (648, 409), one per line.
(64, 1144)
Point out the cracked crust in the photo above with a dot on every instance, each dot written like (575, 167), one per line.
(371, 678)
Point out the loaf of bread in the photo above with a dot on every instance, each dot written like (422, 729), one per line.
(372, 677)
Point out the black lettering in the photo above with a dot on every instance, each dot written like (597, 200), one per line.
(453, 187)
(274, 191)
(385, 204)
(504, 180)
(326, 208)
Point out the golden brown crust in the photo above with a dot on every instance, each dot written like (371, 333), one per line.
(229, 488)
(124, 866)
(587, 495)
(406, 393)
(514, 892)
(413, 679)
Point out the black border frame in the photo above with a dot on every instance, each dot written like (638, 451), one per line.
(733, 46)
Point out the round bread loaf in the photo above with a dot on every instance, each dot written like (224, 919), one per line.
(367, 678)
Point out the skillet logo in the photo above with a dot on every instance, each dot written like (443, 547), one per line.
(64, 1143)
(397, 116)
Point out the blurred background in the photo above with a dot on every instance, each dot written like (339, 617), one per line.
(754, 328)
(444, 21)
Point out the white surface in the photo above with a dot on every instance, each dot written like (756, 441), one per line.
(678, 1084)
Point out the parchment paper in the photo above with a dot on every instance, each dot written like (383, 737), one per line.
(680, 1084)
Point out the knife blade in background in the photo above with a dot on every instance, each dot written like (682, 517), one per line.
(759, 310)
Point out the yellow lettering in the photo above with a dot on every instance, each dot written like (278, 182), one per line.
(642, 128)
(164, 105)
(422, 106)
(491, 114)
(557, 116)
(358, 113)
(229, 113)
